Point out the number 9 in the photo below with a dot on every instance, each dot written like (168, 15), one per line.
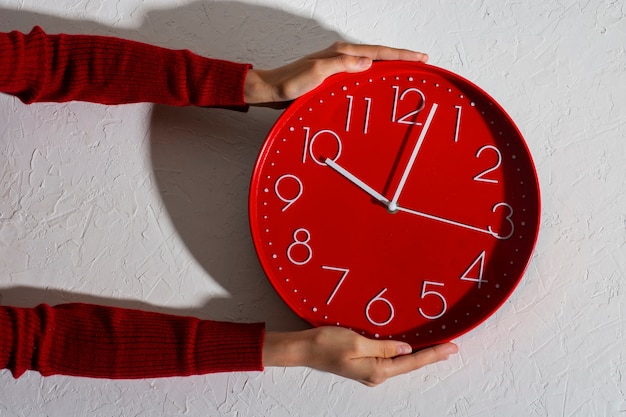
(281, 197)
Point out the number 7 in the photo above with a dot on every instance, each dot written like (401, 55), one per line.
(339, 284)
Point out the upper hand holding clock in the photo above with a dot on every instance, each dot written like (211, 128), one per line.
(277, 87)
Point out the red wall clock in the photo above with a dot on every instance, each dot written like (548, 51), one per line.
(401, 202)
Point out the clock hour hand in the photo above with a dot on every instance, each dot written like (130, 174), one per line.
(350, 177)
(393, 204)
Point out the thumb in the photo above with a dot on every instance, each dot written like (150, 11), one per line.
(345, 63)
(387, 348)
(356, 63)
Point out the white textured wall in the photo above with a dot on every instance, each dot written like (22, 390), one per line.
(146, 207)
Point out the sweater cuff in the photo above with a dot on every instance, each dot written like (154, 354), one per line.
(224, 80)
(221, 345)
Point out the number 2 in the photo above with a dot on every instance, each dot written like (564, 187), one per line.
(481, 176)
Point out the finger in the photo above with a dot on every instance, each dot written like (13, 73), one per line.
(407, 363)
(378, 52)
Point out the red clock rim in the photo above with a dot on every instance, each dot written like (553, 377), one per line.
(379, 67)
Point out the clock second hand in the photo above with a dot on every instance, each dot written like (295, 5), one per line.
(447, 221)
(349, 176)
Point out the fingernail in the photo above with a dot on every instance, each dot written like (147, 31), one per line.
(451, 349)
(365, 62)
(404, 349)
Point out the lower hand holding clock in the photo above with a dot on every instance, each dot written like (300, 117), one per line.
(348, 354)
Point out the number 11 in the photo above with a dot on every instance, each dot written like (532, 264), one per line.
(366, 121)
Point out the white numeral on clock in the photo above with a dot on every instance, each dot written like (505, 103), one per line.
(285, 199)
(383, 300)
(458, 123)
(366, 121)
(309, 145)
(344, 274)
(508, 218)
(427, 293)
(301, 239)
(408, 117)
(481, 176)
(480, 263)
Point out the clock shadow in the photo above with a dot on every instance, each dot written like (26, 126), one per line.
(202, 159)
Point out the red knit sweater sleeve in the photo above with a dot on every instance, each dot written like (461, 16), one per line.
(106, 342)
(37, 67)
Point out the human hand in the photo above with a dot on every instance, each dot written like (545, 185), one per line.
(348, 354)
(277, 87)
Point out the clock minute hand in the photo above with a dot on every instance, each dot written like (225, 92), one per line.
(356, 181)
(393, 204)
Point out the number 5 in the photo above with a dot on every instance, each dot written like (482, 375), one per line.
(426, 293)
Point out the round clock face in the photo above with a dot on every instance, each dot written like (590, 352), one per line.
(401, 202)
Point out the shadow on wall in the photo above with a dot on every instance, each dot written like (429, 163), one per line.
(203, 158)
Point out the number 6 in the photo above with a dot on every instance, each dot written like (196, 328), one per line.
(384, 301)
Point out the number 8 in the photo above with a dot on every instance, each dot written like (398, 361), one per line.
(296, 243)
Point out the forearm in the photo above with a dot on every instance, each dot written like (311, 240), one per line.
(37, 67)
(105, 342)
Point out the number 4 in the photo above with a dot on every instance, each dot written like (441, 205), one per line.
(478, 267)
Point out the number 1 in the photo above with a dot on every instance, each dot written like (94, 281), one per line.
(458, 123)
